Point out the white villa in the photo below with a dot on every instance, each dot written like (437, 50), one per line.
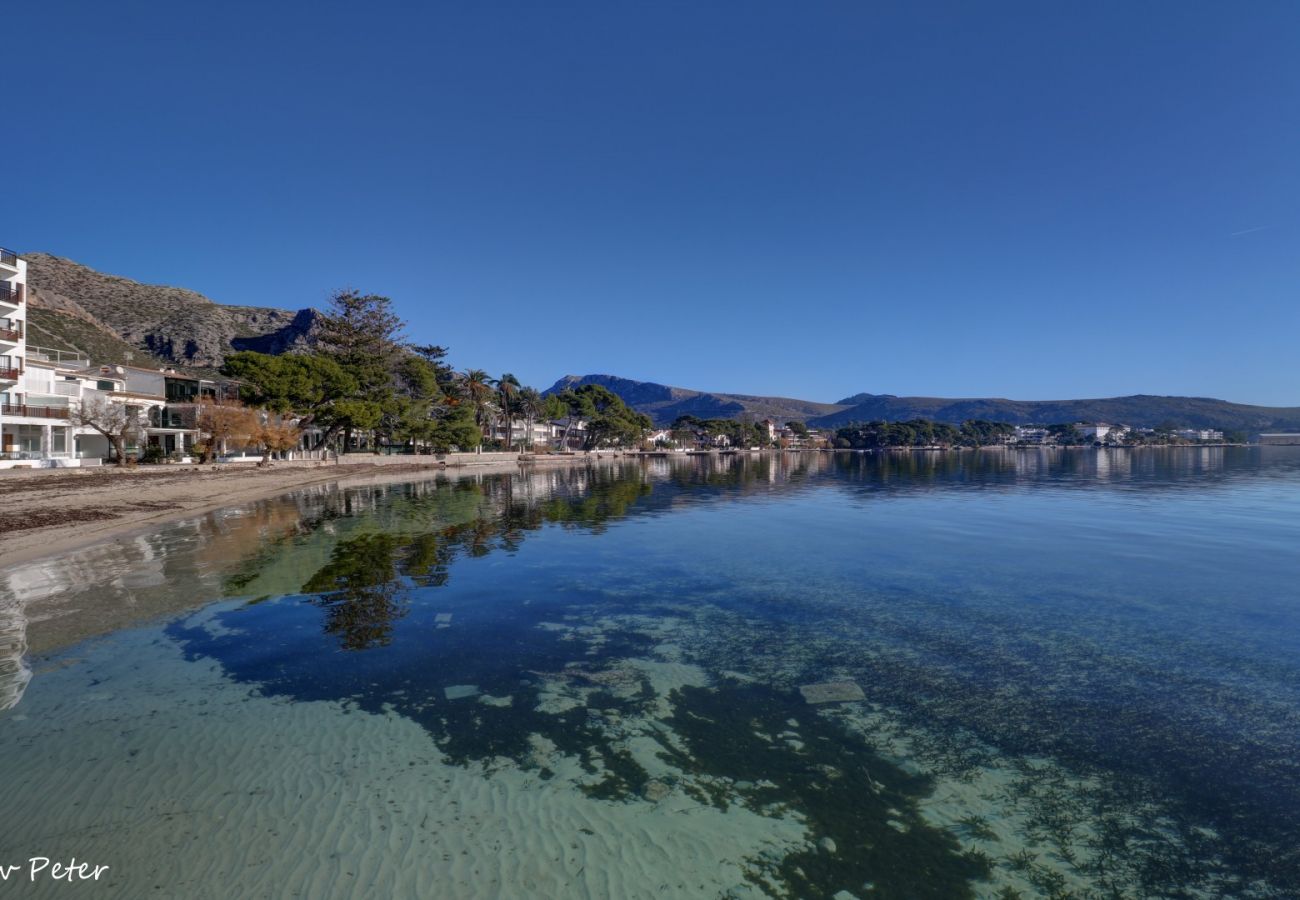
(543, 434)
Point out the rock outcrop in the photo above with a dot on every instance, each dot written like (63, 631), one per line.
(166, 324)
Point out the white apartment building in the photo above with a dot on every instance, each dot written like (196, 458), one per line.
(1199, 434)
(1031, 434)
(40, 387)
(1095, 432)
(33, 419)
(543, 433)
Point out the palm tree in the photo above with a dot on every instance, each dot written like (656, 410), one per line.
(507, 387)
(529, 404)
(478, 387)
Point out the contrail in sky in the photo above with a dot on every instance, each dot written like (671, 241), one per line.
(1249, 230)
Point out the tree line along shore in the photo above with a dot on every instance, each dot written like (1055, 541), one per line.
(364, 387)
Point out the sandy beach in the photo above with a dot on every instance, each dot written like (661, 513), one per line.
(49, 512)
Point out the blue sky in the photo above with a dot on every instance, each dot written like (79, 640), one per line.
(1033, 200)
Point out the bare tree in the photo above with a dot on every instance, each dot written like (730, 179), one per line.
(115, 421)
(275, 434)
(224, 421)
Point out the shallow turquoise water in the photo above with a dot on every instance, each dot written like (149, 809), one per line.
(1079, 671)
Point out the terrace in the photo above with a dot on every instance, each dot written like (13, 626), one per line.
(34, 412)
(71, 358)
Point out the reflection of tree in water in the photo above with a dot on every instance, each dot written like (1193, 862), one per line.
(1171, 468)
(362, 588)
(360, 592)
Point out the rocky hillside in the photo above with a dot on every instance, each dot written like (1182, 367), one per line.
(663, 403)
(78, 308)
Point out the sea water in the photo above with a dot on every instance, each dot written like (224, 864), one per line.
(1050, 674)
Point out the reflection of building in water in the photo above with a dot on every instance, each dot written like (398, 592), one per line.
(1103, 463)
(14, 673)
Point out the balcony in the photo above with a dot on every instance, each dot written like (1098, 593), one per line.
(10, 373)
(73, 359)
(11, 330)
(8, 258)
(177, 419)
(11, 294)
(34, 412)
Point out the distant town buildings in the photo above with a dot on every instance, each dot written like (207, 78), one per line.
(1201, 434)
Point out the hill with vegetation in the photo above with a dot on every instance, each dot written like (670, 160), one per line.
(114, 319)
(664, 403)
(1139, 410)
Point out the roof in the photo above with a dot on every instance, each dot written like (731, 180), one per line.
(166, 373)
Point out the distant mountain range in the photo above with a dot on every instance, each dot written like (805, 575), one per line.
(664, 404)
(116, 320)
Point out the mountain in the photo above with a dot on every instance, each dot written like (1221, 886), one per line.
(664, 403)
(1141, 410)
(114, 319)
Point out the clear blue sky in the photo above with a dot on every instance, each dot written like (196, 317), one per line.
(1034, 200)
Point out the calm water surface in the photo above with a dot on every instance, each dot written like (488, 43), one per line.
(1058, 674)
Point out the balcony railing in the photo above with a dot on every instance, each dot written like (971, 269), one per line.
(34, 412)
(11, 293)
(8, 257)
(9, 373)
(70, 358)
(11, 330)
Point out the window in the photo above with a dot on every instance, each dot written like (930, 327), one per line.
(181, 391)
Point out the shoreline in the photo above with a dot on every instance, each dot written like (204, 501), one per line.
(83, 508)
